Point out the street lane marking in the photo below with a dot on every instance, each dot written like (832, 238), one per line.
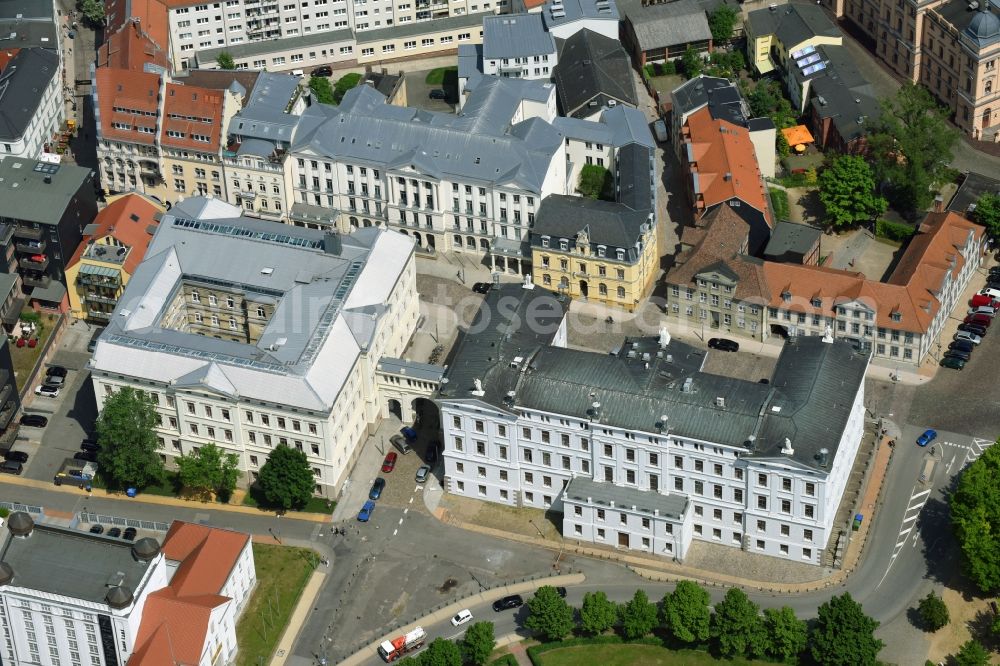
(400, 521)
(906, 527)
(913, 517)
(395, 531)
(920, 494)
(406, 511)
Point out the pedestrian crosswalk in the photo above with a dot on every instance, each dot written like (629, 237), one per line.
(977, 448)
(907, 528)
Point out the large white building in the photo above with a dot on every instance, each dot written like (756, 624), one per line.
(276, 347)
(71, 597)
(643, 450)
(31, 103)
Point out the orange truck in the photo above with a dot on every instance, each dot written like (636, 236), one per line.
(402, 645)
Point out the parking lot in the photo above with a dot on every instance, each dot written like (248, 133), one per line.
(71, 414)
(418, 91)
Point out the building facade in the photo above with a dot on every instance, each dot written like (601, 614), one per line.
(518, 46)
(276, 349)
(31, 103)
(640, 449)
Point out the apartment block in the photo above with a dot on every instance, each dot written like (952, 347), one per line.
(278, 348)
(641, 449)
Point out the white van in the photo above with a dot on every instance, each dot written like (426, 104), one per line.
(298, 72)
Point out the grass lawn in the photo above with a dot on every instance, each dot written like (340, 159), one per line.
(25, 357)
(779, 202)
(435, 77)
(629, 655)
(282, 573)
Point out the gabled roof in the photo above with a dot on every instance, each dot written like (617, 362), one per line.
(605, 222)
(192, 112)
(124, 98)
(151, 15)
(207, 556)
(792, 24)
(667, 24)
(130, 220)
(516, 36)
(592, 67)
(722, 97)
(174, 628)
(724, 164)
(131, 48)
(23, 83)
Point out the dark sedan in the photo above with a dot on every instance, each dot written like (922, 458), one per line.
(377, 489)
(722, 344)
(513, 601)
(481, 287)
(16, 456)
(973, 328)
(89, 456)
(34, 421)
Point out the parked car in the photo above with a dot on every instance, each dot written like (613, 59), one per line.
(400, 443)
(512, 601)
(16, 456)
(92, 345)
(992, 292)
(409, 433)
(561, 591)
(11, 467)
(438, 93)
(366, 511)
(377, 487)
(722, 344)
(978, 320)
(90, 445)
(56, 371)
(422, 473)
(54, 381)
(129, 533)
(927, 437)
(962, 345)
(389, 463)
(461, 617)
(980, 300)
(322, 70)
(952, 362)
(975, 329)
(115, 532)
(968, 336)
(34, 421)
(47, 391)
(963, 354)
(985, 310)
(481, 287)
(97, 529)
(89, 456)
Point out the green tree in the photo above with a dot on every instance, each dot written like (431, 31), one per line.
(93, 11)
(721, 23)
(548, 614)
(478, 643)
(786, 634)
(321, 89)
(686, 614)
(911, 143)
(843, 635)
(988, 213)
(286, 478)
(209, 470)
(933, 612)
(345, 83)
(225, 61)
(692, 62)
(125, 432)
(441, 652)
(638, 616)
(972, 654)
(737, 626)
(598, 613)
(596, 182)
(975, 517)
(847, 190)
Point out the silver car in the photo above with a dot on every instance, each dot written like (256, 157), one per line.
(422, 473)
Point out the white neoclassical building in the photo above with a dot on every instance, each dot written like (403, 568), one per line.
(252, 334)
(641, 449)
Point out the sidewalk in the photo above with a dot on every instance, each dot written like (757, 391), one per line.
(283, 650)
(158, 499)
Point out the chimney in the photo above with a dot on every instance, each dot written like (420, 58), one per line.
(939, 204)
(786, 449)
(824, 457)
(332, 243)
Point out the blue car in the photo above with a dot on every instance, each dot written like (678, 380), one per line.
(926, 438)
(409, 433)
(377, 489)
(366, 511)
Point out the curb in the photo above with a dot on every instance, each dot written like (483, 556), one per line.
(370, 652)
(283, 649)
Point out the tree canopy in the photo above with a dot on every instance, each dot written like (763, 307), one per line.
(345, 83)
(972, 654)
(125, 432)
(478, 643)
(692, 62)
(843, 635)
(596, 182)
(975, 517)
(737, 626)
(911, 144)
(93, 12)
(286, 479)
(209, 470)
(225, 61)
(548, 614)
(987, 213)
(686, 614)
(321, 89)
(721, 23)
(598, 613)
(638, 616)
(786, 634)
(847, 190)
(441, 652)
(933, 612)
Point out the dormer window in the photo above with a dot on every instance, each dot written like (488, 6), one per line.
(545, 241)
(621, 255)
(563, 244)
(601, 250)
(816, 302)
(786, 296)
(897, 316)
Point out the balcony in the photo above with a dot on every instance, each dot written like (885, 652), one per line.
(148, 168)
(36, 262)
(100, 298)
(31, 247)
(28, 232)
(98, 314)
(91, 280)
(40, 281)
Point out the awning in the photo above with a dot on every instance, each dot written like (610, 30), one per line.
(798, 134)
(91, 269)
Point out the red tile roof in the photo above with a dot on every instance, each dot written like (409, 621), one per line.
(207, 556)
(189, 112)
(125, 98)
(129, 220)
(722, 160)
(911, 290)
(130, 48)
(150, 14)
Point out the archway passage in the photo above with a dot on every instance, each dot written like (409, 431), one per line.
(396, 409)
(583, 288)
(426, 417)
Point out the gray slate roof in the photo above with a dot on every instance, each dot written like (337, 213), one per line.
(22, 84)
(594, 68)
(26, 195)
(668, 24)
(516, 36)
(606, 223)
(841, 92)
(266, 47)
(582, 490)
(264, 117)
(808, 401)
(561, 12)
(722, 97)
(401, 366)
(473, 20)
(974, 186)
(792, 23)
(478, 144)
(36, 26)
(789, 237)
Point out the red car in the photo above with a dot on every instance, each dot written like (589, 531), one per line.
(980, 300)
(389, 463)
(978, 320)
